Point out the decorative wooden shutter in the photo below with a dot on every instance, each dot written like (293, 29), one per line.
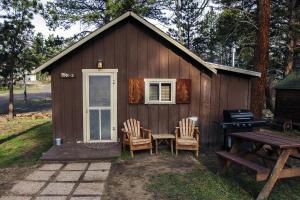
(136, 90)
(183, 91)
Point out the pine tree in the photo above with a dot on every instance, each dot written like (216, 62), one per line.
(16, 32)
(96, 13)
(261, 58)
(206, 43)
(187, 16)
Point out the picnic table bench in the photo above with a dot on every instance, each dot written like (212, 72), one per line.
(284, 147)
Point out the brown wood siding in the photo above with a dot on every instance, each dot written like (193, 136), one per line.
(287, 105)
(135, 52)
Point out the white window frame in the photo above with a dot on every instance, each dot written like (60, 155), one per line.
(160, 81)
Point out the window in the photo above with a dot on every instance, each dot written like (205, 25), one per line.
(160, 91)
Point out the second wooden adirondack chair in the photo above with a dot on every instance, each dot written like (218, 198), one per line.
(187, 136)
(136, 137)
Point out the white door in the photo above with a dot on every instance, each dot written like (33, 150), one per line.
(100, 105)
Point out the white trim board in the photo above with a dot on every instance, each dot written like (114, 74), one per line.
(85, 98)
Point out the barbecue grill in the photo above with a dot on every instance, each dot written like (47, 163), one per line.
(238, 121)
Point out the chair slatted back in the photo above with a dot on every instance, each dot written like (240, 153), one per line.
(133, 127)
(186, 127)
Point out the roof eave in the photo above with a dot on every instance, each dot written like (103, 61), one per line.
(236, 70)
(110, 24)
(80, 42)
(172, 41)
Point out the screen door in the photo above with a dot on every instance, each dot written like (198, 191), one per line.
(100, 105)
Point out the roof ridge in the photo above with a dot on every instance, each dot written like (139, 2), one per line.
(210, 66)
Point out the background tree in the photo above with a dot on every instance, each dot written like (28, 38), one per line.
(206, 42)
(16, 31)
(261, 57)
(293, 33)
(186, 17)
(96, 13)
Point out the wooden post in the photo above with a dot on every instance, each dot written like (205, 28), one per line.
(234, 149)
(265, 192)
(156, 146)
(171, 141)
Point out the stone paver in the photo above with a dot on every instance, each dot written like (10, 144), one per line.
(95, 175)
(68, 175)
(56, 182)
(86, 198)
(51, 198)
(75, 166)
(40, 175)
(27, 187)
(58, 189)
(15, 198)
(99, 166)
(89, 189)
(51, 167)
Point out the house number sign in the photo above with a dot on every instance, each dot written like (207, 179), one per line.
(66, 75)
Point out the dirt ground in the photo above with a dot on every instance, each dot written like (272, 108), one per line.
(128, 178)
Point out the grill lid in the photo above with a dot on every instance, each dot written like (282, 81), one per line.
(237, 115)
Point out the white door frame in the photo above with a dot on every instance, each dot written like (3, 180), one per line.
(85, 97)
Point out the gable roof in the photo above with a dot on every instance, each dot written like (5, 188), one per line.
(291, 82)
(234, 69)
(210, 66)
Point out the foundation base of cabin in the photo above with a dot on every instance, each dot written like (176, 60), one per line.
(84, 151)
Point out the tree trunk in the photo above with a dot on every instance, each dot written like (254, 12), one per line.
(261, 58)
(11, 97)
(292, 37)
(178, 23)
(25, 88)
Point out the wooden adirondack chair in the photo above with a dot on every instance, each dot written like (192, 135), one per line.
(187, 136)
(136, 136)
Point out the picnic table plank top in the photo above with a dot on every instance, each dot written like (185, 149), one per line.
(163, 136)
(268, 138)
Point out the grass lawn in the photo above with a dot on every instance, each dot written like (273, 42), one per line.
(18, 125)
(19, 89)
(205, 183)
(27, 148)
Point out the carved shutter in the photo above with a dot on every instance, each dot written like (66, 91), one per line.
(183, 91)
(136, 90)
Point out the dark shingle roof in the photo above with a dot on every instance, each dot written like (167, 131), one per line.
(291, 82)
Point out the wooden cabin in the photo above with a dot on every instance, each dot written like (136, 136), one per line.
(131, 69)
(287, 106)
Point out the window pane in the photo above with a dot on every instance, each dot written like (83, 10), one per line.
(94, 125)
(165, 92)
(105, 125)
(99, 90)
(154, 92)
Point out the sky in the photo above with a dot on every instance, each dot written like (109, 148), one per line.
(40, 26)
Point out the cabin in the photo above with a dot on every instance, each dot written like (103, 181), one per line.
(131, 69)
(287, 105)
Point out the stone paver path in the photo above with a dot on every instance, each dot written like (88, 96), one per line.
(71, 181)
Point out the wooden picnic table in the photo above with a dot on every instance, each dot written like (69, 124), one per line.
(284, 147)
(158, 138)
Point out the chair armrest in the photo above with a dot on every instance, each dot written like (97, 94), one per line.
(197, 134)
(176, 133)
(149, 132)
